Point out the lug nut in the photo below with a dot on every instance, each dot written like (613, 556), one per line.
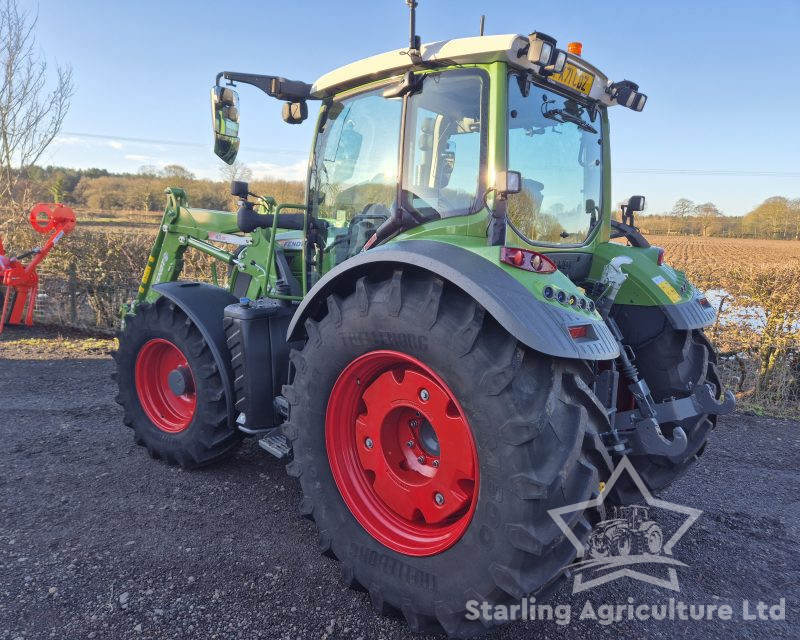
(368, 443)
(421, 459)
(424, 395)
(413, 424)
(438, 498)
(410, 444)
(436, 463)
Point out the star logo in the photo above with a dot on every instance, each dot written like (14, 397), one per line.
(630, 538)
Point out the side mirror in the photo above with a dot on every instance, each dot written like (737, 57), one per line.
(225, 120)
(635, 204)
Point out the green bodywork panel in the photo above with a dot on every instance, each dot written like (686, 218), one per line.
(648, 284)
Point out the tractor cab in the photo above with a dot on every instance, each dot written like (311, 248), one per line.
(496, 137)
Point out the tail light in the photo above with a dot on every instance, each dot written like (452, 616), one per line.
(660, 259)
(579, 331)
(527, 260)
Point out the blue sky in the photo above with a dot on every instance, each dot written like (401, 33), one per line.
(721, 77)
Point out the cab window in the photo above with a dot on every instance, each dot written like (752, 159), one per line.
(446, 144)
(355, 162)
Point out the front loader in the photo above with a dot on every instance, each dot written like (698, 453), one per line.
(449, 337)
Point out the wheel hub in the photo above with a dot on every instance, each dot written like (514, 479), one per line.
(180, 381)
(402, 453)
(165, 385)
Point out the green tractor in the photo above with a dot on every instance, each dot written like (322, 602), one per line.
(442, 338)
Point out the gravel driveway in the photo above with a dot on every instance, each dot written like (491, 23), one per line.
(99, 541)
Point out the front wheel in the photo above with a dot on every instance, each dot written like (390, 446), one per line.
(430, 447)
(171, 388)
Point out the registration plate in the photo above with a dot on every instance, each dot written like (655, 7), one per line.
(575, 78)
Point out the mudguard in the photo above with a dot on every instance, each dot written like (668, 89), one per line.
(654, 290)
(204, 304)
(539, 325)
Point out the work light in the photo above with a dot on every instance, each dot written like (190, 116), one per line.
(542, 51)
(627, 94)
(540, 48)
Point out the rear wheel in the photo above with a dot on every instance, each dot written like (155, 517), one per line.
(171, 389)
(430, 446)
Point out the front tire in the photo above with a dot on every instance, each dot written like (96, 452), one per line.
(171, 388)
(516, 434)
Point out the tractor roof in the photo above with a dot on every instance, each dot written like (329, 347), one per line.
(510, 48)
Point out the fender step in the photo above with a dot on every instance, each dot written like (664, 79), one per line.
(275, 443)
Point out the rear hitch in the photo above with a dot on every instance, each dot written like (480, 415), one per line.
(644, 434)
(638, 432)
(647, 439)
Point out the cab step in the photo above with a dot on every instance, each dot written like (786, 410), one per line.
(275, 443)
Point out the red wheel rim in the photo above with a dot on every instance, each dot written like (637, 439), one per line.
(168, 408)
(402, 453)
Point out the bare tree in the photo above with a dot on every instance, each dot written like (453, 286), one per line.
(177, 172)
(236, 171)
(681, 209)
(30, 115)
(708, 215)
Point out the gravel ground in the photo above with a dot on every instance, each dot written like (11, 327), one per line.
(99, 541)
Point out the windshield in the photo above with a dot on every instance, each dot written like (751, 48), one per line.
(556, 145)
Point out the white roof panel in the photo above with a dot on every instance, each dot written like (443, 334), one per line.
(477, 49)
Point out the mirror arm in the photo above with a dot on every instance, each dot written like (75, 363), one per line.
(274, 86)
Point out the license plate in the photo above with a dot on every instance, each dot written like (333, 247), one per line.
(574, 78)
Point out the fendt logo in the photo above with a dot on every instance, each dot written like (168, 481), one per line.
(636, 541)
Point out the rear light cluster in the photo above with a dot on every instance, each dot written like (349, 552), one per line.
(660, 257)
(579, 331)
(527, 260)
(568, 299)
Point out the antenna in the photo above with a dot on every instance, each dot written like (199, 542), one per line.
(414, 40)
(483, 21)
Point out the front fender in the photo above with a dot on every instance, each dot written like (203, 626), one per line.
(204, 305)
(540, 325)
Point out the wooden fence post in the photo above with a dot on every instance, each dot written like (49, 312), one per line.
(73, 294)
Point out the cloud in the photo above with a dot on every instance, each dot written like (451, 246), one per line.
(269, 170)
(114, 144)
(70, 141)
(137, 157)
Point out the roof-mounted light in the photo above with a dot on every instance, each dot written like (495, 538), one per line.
(627, 94)
(542, 51)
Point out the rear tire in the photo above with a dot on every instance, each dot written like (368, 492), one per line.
(534, 423)
(190, 429)
(671, 363)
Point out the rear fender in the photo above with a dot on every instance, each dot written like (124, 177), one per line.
(653, 290)
(542, 326)
(204, 305)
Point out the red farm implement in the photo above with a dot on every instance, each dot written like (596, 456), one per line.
(21, 282)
